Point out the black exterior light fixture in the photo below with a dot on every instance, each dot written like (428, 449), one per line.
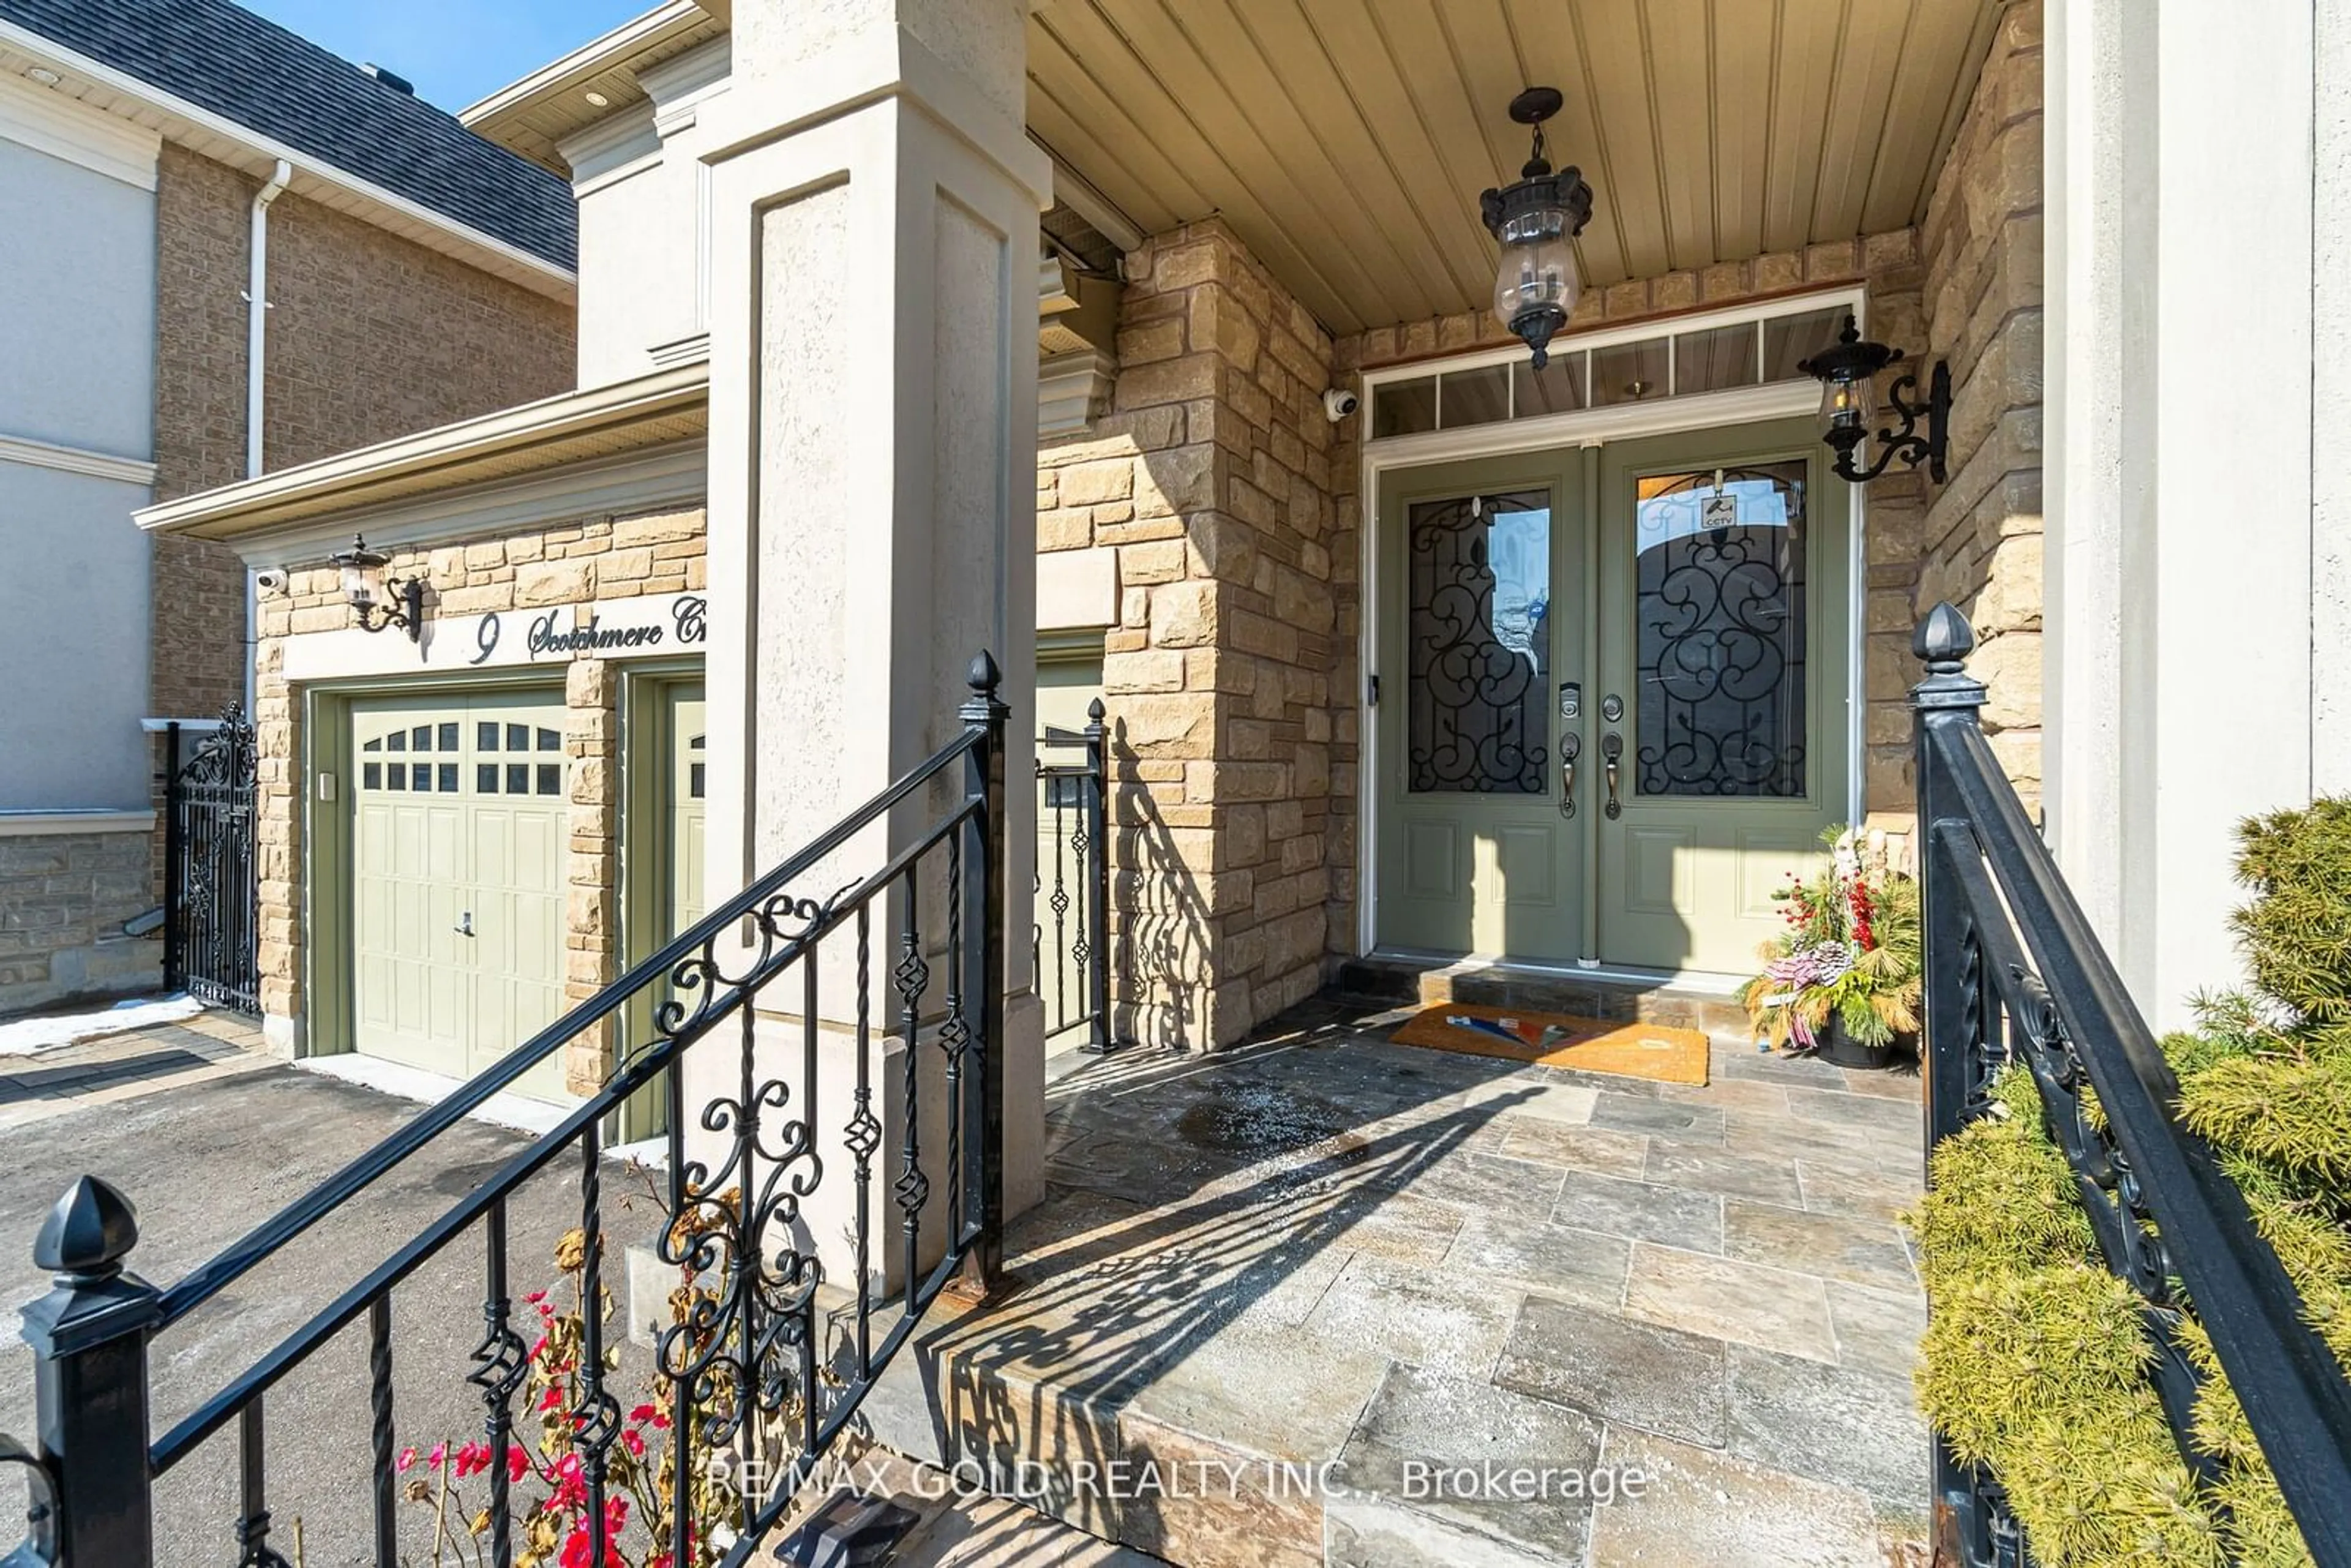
(1537, 220)
(1847, 370)
(381, 602)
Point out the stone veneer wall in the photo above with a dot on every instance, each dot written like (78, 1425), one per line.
(63, 900)
(1981, 533)
(1213, 477)
(573, 563)
(1232, 507)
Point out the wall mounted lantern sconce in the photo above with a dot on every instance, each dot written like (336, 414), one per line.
(1846, 370)
(1537, 220)
(381, 602)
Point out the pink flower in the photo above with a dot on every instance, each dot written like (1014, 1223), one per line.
(552, 1398)
(407, 1458)
(579, 1551)
(635, 1440)
(518, 1463)
(570, 1487)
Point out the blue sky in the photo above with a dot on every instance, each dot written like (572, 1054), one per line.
(455, 51)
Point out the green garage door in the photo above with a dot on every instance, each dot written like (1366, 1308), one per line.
(457, 873)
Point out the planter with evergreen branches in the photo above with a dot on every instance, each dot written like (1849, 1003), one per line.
(1843, 982)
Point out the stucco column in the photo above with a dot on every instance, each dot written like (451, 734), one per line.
(2192, 604)
(874, 211)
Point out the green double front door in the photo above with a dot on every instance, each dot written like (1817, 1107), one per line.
(1614, 707)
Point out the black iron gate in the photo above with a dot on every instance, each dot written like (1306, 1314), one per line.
(211, 886)
(1070, 942)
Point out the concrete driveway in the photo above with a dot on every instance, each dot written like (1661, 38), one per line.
(208, 1137)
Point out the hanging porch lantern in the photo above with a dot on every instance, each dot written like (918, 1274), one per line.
(1537, 220)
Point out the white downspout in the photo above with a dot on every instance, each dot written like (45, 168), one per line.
(256, 312)
(257, 342)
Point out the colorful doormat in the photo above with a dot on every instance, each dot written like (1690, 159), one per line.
(1556, 1040)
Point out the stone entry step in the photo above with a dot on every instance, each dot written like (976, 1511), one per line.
(1707, 1002)
(891, 1512)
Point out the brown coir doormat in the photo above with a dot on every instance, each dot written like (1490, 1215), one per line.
(1557, 1040)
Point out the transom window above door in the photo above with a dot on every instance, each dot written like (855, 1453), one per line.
(1615, 370)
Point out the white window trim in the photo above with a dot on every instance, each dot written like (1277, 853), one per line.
(1582, 428)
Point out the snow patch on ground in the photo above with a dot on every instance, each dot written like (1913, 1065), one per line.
(50, 1031)
(519, 1111)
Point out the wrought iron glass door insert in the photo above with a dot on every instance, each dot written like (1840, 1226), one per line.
(1616, 714)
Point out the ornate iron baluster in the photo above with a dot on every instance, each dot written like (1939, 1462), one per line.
(913, 1188)
(954, 1036)
(743, 1265)
(863, 1137)
(387, 1527)
(500, 1362)
(595, 1413)
(254, 1550)
(800, 1275)
(1058, 901)
(688, 1254)
(1097, 862)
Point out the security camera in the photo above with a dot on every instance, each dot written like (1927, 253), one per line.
(1339, 403)
(269, 580)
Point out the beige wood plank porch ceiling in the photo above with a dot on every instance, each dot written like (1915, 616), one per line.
(1346, 140)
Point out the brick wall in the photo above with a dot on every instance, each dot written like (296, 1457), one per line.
(571, 562)
(63, 900)
(370, 337)
(1980, 536)
(196, 659)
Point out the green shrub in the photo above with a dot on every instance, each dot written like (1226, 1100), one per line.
(2035, 1360)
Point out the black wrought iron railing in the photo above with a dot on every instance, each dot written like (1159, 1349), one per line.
(757, 1378)
(211, 879)
(2014, 974)
(1069, 940)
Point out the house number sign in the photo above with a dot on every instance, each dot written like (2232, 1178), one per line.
(629, 628)
(637, 628)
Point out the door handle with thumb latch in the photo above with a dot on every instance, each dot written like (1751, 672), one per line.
(465, 923)
(1569, 745)
(1612, 747)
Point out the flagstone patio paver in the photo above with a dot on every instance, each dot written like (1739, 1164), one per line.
(1856, 1251)
(1516, 1284)
(1641, 1210)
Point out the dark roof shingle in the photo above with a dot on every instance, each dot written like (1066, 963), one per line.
(252, 71)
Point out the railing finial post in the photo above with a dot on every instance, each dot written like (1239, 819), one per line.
(88, 1337)
(983, 927)
(1942, 643)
